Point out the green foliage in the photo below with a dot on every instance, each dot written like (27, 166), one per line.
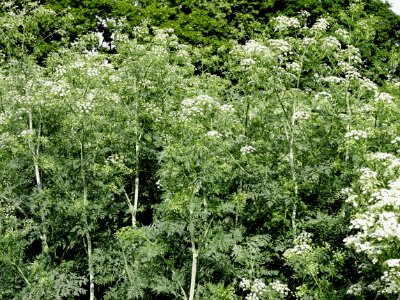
(137, 174)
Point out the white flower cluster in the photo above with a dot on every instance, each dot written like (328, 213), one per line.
(393, 263)
(390, 280)
(386, 198)
(368, 84)
(396, 140)
(284, 23)
(115, 79)
(245, 284)
(301, 245)
(26, 133)
(323, 96)
(368, 180)
(251, 296)
(60, 70)
(198, 105)
(78, 64)
(281, 45)
(253, 47)
(114, 159)
(85, 107)
(184, 54)
(247, 62)
(88, 105)
(258, 286)
(227, 108)
(364, 222)
(294, 67)
(213, 134)
(58, 88)
(333, 79)
(386, 226)
(321, 24)
(355, 289)
(93, 72)
(352, 54)
(304, 13)
(383, 98)
(247, 150)
(158, 51)
(350, 71)
(381, 156)
(279, 287)
(307, 41)
(301, 115)
(356, 134)
(342, 33)
(331, 43)
(377, 224)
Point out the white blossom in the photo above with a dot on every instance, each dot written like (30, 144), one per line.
(280, 45)
(227, 108)
(61, 70)
(251, 296)
(247, 62)
(247, 150)
(321, 24)
(307, 41)
(356, 134)
(383, 98)
(368, 84)
(114, 78)
(254, 47)
(323, 95)
(304, 13)
(342, 33)
(355, 289)
(213, 134)
(294, 67)
(350, 71)
(301, 115)
(245, 284)
(198, 105)
(393, 263)
(333, 79)
(382, 156)
(92, 72)
(331, 42)
(258, 286)
(396, 140)
(284, 23)
(279, 287)
(302, 244)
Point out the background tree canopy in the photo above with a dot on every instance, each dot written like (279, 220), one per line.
(223, 150)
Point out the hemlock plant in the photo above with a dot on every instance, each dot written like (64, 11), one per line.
(138, 175)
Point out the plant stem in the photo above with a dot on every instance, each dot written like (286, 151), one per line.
(87, 231)
(39, 184)
(136, 195)
(293, 170)
(195, 254)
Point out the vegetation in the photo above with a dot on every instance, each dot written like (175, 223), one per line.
(223, 162)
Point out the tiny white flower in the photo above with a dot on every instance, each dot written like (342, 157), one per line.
(383, 98)
(321, 24)
(356, 134)
(244, 284)
(247, 150)
(284, 23)
(227, 108)
(213, 134)
(301, 115)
